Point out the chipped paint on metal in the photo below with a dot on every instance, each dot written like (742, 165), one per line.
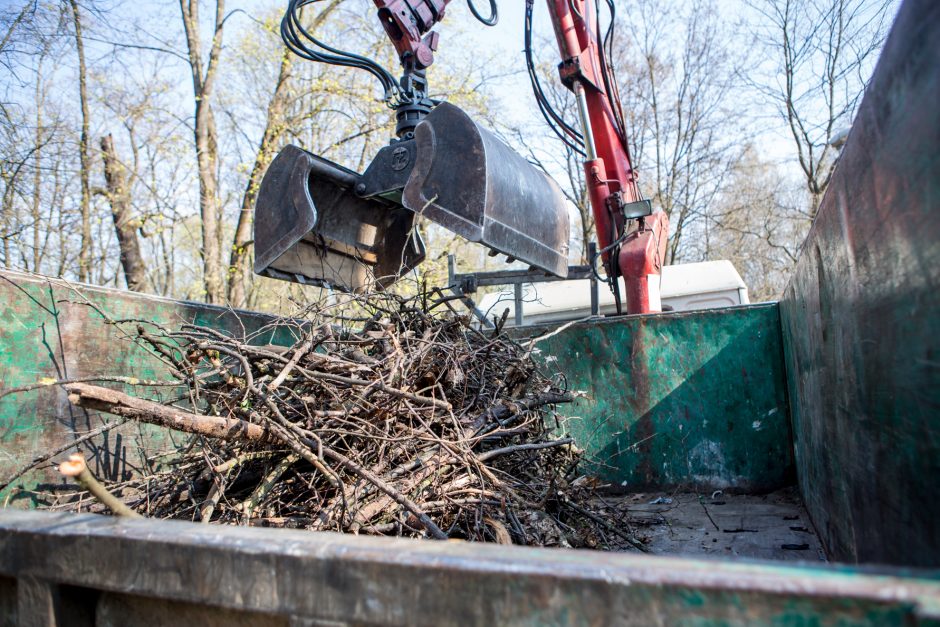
(861, 318)
(329, 578)
(51, 330)
(696, 399)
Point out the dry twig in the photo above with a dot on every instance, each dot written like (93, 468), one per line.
(407, 423)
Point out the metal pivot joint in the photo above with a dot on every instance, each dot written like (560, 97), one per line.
(414, 105)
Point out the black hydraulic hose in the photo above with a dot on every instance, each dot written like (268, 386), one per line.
(610, 85)
(293, 33)
(291, 26)
(615, 246)
(571, 137)
(615, 282)
(494, 13)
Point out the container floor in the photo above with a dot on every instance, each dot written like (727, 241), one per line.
(769, 526)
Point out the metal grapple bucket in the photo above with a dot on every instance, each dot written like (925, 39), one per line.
(317, 222)
(473, 184)
(311, 227)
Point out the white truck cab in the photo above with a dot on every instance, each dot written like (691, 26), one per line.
(687, 286)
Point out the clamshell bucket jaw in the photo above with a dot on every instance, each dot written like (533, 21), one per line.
(311, 227)
(473, 184)
(317, 222)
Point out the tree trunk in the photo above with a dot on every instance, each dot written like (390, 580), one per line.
(125, 227)
(60, 225)
(37, 176)
(274, 128)
(84, 253)
(7, 218)
(242, 242)
(210, 206)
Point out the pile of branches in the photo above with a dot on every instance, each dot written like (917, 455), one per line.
(404, 421)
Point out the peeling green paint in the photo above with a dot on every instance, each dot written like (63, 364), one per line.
(696, 399)
(861, 318)
(52, 330)
(324, 578)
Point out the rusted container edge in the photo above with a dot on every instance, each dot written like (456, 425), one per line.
(17, 279)
(358, 579)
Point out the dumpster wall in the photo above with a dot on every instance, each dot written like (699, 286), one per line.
(861, 318)
(51, 329)
(691, 399)
(58, 569)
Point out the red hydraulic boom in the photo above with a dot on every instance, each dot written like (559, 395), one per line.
(317, 222)
(631, 237)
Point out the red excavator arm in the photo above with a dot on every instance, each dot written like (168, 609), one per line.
(632, 238)
(317, 222)
(408, 24)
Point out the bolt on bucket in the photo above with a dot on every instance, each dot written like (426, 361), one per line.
(310, 227)
(473, 184)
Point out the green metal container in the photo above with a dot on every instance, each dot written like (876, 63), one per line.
(834, 394)
(713, 415)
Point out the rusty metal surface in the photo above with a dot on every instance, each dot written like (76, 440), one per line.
(861, 318)
(362, 580)
(473, 184)
(693, 400)
(51, 329)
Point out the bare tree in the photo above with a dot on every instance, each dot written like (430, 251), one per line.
(206, 141)
(37, 166)
(238, 268)
(821, 54)
(675, 76)
(125, 226)
(11, 169)
(576, 192)
(11, 22)
(84, 255)
(759, 226)
(676, 88)
(274, 129)
(173, 217)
